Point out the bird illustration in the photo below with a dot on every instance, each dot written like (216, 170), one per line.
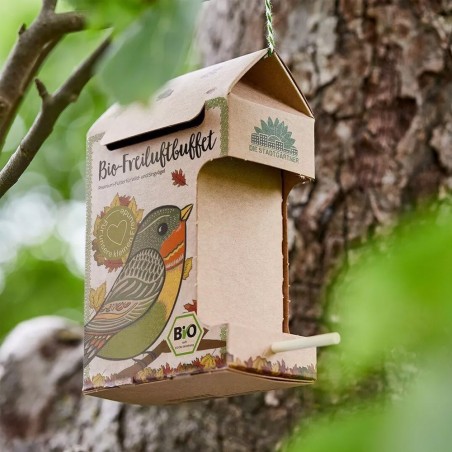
(142, 298)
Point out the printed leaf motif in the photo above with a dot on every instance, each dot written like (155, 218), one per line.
(191, 307)
(159, 374)
(187, 267)
(97, 296)
(208, 362)
(96, 225)
(124, 200)
(137, 213)
(260, 363)
(113, 264)
(178, 178)
(167, 370)
(98, 381)
(205, 363)
(115, 202)
(142, 375)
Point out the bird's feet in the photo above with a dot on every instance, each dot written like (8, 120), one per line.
(152, 355)
(141, 362)
(144, 362)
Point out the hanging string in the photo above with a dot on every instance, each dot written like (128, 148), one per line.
(269, 20)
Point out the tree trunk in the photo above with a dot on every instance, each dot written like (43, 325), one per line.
(378, 77)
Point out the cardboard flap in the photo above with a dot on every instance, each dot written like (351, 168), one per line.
(139, 123)
(179, 103)
(270, 76)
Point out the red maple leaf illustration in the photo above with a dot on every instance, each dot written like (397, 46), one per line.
(167, 370)
(220, 361)
(178, 178)
(197, 363)
(191, 307)
(249, 362)
(124, 200)
(113, 264)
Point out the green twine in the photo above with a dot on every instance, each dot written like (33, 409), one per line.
(270, 35)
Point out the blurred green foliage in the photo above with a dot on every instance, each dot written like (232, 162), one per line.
(152, 42)
(117, 14)
(394, 304)
(163, 32)
(36, 287)
(42, 244)
(394, 310)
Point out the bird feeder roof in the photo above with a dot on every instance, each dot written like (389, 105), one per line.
(181, 102)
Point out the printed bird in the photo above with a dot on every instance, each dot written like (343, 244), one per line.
(140, 303)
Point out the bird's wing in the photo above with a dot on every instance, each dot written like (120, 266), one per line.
(135, 290)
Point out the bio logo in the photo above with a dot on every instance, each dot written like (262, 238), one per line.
(184, 335)
(181, 333)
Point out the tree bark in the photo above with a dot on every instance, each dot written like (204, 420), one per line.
(378, 75)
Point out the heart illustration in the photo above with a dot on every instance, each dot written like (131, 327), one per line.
(117, 232)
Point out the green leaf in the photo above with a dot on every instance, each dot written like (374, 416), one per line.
(352, 433)
(395, 298)
(399, 298)
(413, 425)
(115, 13)
(151, 51)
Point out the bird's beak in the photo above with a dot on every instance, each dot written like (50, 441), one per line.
(185, 212)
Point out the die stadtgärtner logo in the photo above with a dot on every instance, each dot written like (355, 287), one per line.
(274, 138)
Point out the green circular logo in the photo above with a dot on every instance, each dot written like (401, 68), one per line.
(115, 233)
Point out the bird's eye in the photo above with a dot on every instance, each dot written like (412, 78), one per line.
(162, 229)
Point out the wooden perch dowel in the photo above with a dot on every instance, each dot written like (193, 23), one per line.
(320, 340)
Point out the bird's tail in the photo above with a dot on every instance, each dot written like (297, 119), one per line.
(92, 344)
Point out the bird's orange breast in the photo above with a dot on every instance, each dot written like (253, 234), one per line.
(170, 289)
(173, 248)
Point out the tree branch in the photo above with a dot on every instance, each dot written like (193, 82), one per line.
(49, 5)
(51, 109)
(42, 90)
(150, 357)
(30, 50)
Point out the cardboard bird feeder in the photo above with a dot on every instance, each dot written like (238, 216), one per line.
(186, 260)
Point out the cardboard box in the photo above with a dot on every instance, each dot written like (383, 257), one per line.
(186, 260)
